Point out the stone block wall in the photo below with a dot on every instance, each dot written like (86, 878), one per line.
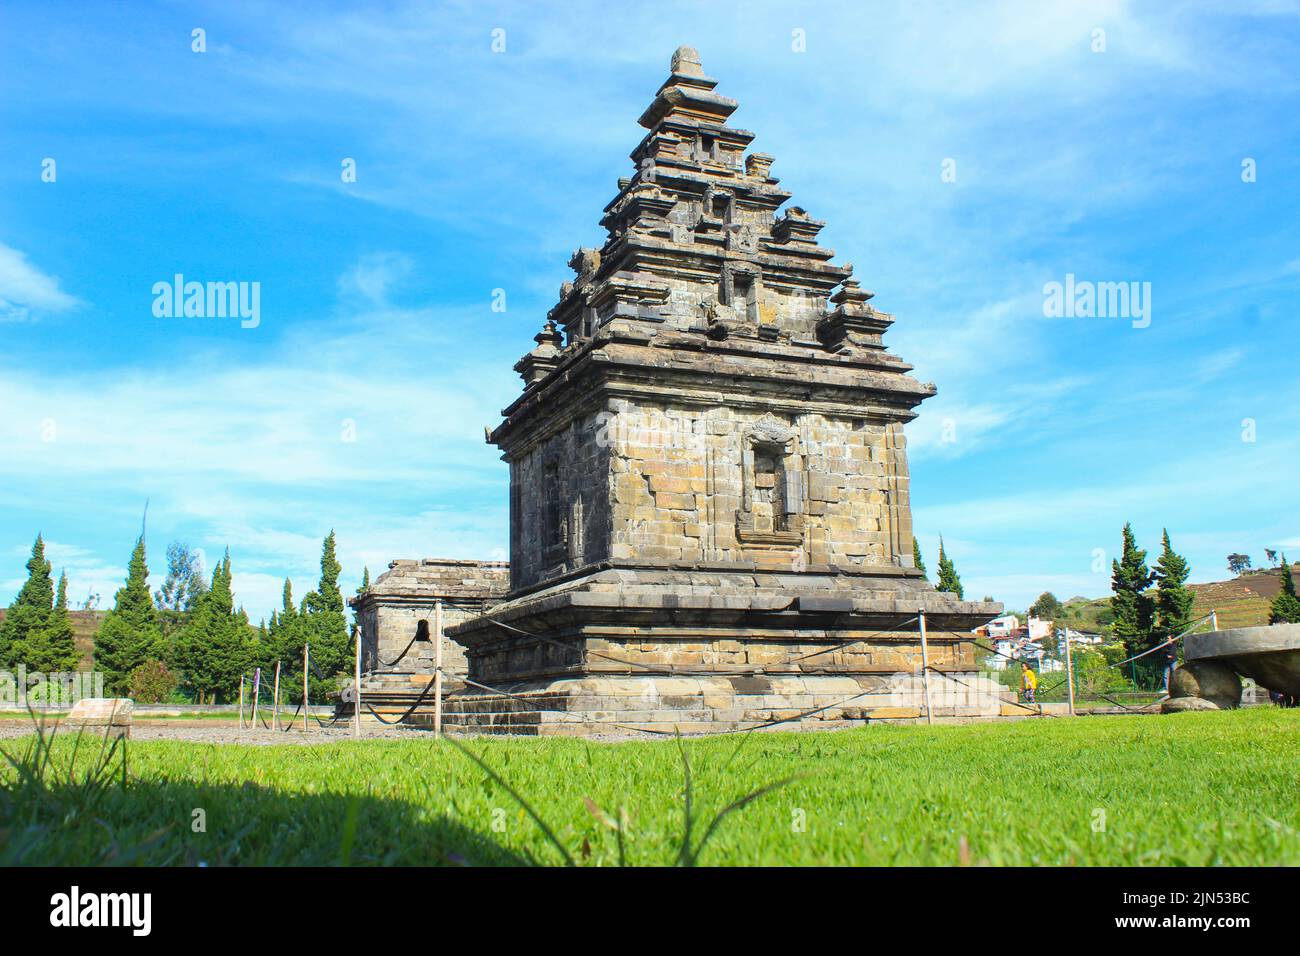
(673, 484)
(559, 503)
(400, 604)
(752, 651)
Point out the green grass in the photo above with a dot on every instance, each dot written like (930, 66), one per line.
(1199, 788)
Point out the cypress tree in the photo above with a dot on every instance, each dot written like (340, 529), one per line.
(285, 638)
(949, 580)
(130, 634)
(216, 648)
(30, 612)
(286, 632)
(229, 645)
(1132, 606)
(1173, 601)
(324, 624)
(54, 651)
(365, 579)
(1286, 606)
(917, 560)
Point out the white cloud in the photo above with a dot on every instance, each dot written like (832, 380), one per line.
(374, 275)
(348, 422)
(26, 291)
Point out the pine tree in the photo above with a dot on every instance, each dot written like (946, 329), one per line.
(1286, 606)
(1173, 601)
(917, 560)
(949, 580)
(1132, 605)
(325, 625)
(130, 634)
(31, 609)
(53, 649)
(215, 649)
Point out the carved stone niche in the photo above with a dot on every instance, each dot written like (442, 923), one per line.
(719, 207)
(742, 284)
(771, 505)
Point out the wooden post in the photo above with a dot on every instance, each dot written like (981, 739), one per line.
(306, 701)
(437, 670)
(275, 704)
(356, 687)
(925, 670)
(257, 693)
(241, 701)
(1069, 669)
(1214, 619)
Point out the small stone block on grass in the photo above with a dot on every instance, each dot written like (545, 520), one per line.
(112, 713)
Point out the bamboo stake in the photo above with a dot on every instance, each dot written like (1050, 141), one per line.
(356, 688)
(306, 701)
(1069, 669)
(437, 671)
(275, 705)
(925, 670)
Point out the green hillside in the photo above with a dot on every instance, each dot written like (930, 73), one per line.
(84, 626)
(1242, 601)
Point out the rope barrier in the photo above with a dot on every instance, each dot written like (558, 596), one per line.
(409, 711)
(671, 733)
(1037, 711)
(270, 700)
(840, 647)
(651, 670)
(1193, 626)
(289, 724)
(672, 671)
(1173, 640)
(399, 657)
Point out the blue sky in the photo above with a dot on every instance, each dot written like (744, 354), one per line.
(479, 170)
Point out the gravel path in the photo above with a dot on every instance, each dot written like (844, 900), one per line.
(223, 732)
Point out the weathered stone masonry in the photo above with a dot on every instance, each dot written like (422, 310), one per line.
(399, 607)
(709, 503)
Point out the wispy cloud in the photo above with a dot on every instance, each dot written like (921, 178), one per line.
(479, 170)
(26, 291)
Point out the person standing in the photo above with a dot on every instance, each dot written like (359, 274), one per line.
(1028, 682)
(1171, 661)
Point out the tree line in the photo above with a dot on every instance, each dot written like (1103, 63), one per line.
(188, 640)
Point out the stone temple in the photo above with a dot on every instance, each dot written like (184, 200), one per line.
(710, 526)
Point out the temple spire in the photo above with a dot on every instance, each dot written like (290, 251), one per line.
(686, 62)
(687, 95)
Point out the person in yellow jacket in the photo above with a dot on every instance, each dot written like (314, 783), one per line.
(1028, 682)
